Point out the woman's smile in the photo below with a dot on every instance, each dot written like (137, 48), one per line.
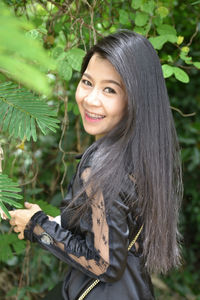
(93, 117)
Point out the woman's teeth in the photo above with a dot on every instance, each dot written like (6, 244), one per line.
(94, 116)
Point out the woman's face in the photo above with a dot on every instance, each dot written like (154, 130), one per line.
(100, 96)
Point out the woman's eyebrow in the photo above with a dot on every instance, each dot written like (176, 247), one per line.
(106, 80)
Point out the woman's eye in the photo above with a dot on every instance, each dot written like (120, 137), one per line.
(109, 90)
(86, 82)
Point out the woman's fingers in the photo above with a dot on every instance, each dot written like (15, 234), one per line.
(28, 205)
(16, 229)
(12, 212)
(12, 221)
(21, 236)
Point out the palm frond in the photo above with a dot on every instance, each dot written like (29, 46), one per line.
(20, 111)
(8, 190)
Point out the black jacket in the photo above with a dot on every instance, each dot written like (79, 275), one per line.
(96, 248)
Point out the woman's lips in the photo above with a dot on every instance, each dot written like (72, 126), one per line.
(92, 117)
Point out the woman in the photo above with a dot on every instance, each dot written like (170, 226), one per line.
(127, 186)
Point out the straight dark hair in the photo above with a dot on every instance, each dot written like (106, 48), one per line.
(144, 144)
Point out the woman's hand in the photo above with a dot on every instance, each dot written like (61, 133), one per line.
(21, 217)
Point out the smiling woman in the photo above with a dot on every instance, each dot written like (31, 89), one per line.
(119, 221)
(101, 96)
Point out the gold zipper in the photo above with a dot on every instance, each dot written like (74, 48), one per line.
(89, 289)
(84, 294)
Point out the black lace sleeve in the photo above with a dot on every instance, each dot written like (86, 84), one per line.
(100, 252)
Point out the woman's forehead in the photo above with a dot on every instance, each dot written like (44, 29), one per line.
(102, 68)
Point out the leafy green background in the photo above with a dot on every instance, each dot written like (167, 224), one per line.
(42, 44)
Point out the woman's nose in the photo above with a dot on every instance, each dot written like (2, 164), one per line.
(93, 97)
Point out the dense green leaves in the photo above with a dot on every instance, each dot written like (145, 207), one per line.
(68, 61)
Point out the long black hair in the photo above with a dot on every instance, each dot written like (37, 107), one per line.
(143, 144)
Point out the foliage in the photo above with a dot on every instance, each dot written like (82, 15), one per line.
(20, 110)
(8, 190)
(7, 242)
(46, 56)
(20, 55)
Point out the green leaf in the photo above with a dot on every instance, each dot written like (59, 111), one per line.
(181, 75)
(171, 38)
(11, 202)
(123, 17)
(2, 206)
(185, 58)
(180, 39)
(185, 49)
(141, 18)
(166, 29)
(8, 194)
(135, 4)
(33, 34)
(65, 70)
(158, 41)
(157, 20)
(57, 52)
(167, 70)
(196, 64)
(148, 6)
(75, 57)
(162, 11)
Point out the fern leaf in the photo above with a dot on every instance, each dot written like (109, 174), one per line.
(21, 111)
(8, 190)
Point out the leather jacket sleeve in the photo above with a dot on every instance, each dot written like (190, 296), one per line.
(98, 250)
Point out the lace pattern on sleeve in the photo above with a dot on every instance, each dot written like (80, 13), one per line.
(100, 232)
